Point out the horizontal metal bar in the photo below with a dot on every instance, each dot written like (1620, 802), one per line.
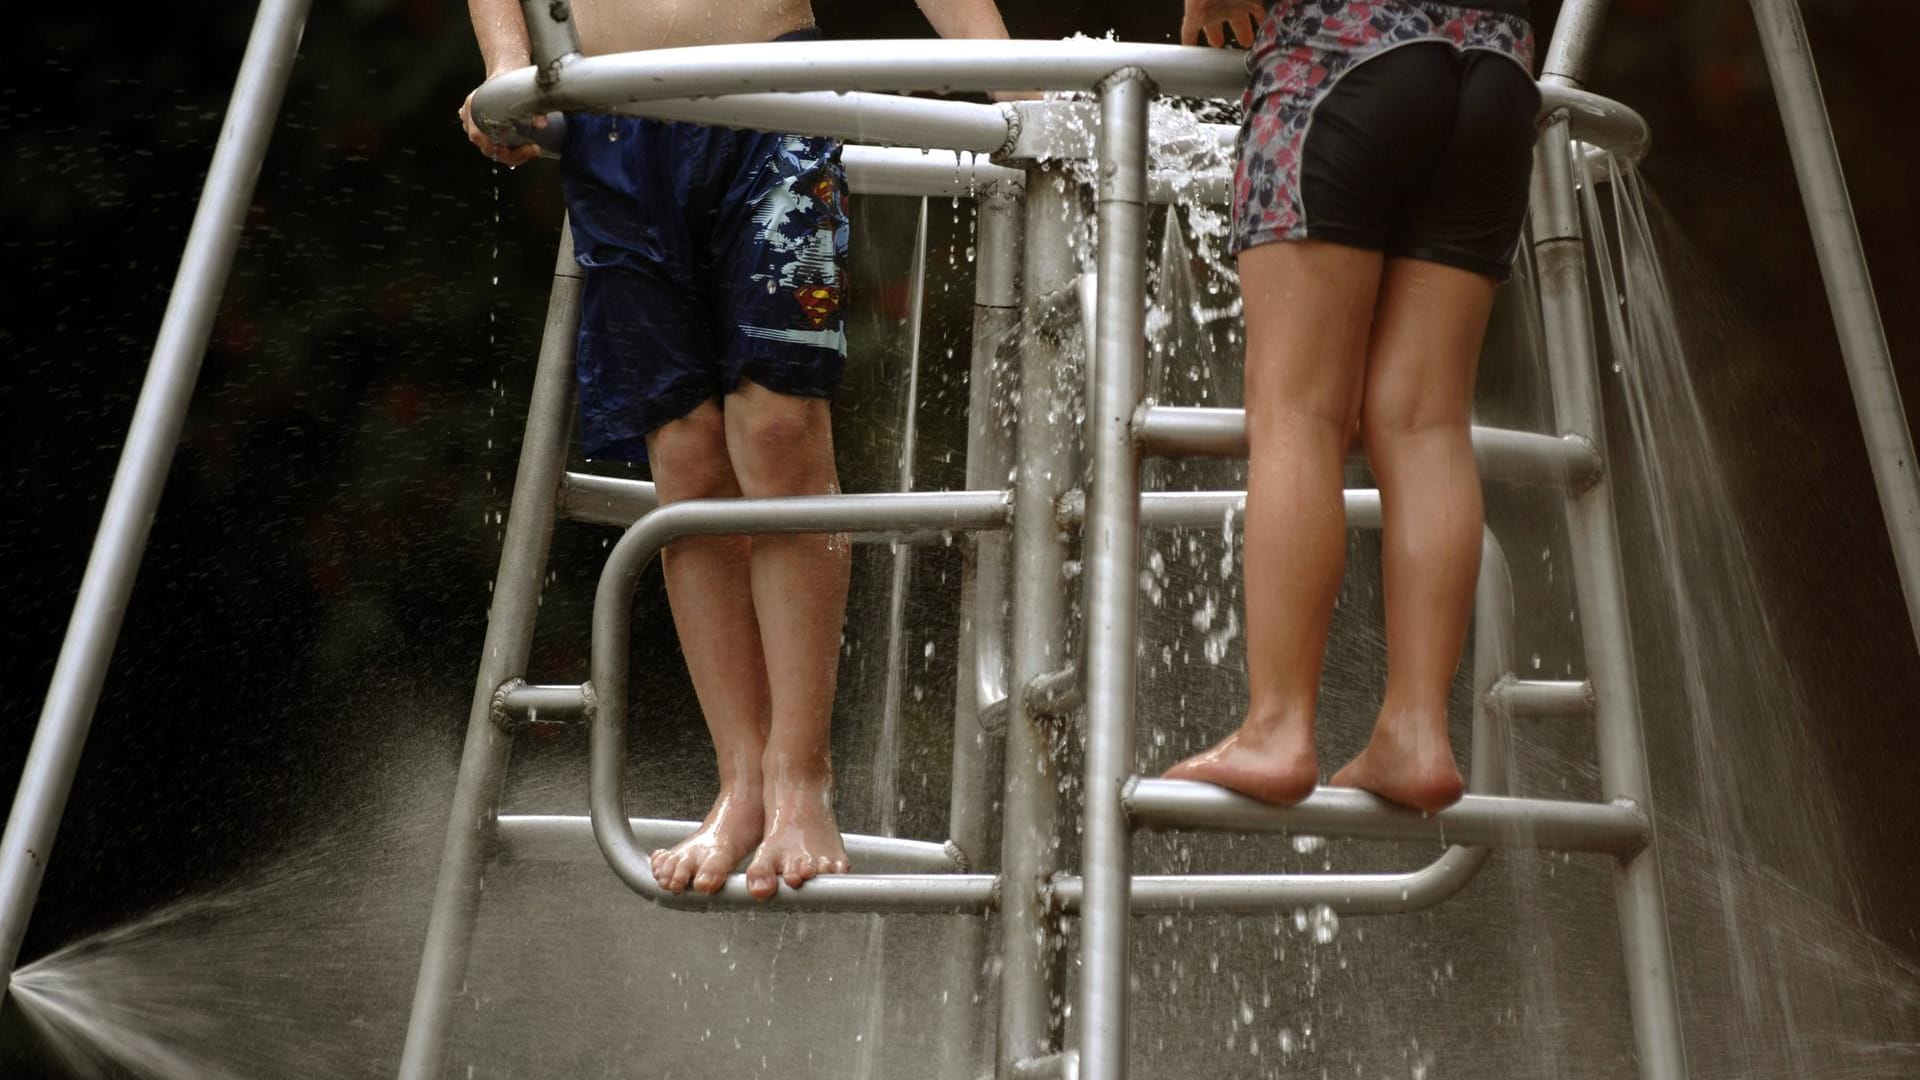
(1185, 431)
(1055, 693)
(517, 704)
(874, 170)
(993, 718)
(1271, 894)
(1209, 509)
(877, 894)
(1064, 1065)
(569, 838)
(1617, 828)
(612, 500)
(1599, 121)
(891, 120)
(605, 500)
(1542, 699)
(617, 82)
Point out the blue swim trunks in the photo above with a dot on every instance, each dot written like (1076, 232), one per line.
(709, 255)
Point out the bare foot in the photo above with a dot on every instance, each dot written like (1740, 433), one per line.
(705, 859)
(1274, 764)
(1408, 762)
(803, 839)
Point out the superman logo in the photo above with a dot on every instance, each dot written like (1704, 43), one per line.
(823, 192)
(819, 302)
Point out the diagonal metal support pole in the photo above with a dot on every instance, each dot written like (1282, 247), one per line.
(1843, 266)
(47, 778)
(510, 619)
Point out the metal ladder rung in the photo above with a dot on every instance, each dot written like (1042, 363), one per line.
(1504, 454)
(1272, 894)
(569, 838)
(1619, 828)
(889, 894)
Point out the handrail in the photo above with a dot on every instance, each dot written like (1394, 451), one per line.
(960, 511)
(852, 90)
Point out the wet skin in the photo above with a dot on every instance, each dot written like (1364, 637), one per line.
(1393, 348)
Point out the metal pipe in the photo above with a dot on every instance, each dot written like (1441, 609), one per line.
(874, 170)
(1539, 699)
(1843, 266)
(569, 838)
(1600, 589)
(902, 554)
(890, 120)
(1110, 544)
(960, 511)
(1270, 894)
(614, 82)
(605, 500)
(46, 778)
(553, 39)
(1044, 466)
(1064, 1065)
(1522, 456)
(1617, 828)
(517, 704)
(1054, 693)
(1576, 33)
(981, 666)
(503, 656)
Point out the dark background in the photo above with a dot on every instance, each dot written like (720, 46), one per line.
(326, 535)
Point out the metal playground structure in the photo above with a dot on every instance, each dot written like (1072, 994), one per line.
(1018, 682)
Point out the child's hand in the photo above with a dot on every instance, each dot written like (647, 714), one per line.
(1213, 18)
(510, 156)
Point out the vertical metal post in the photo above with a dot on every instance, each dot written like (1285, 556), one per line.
(47, 777)
(1575, 32)
(1600, 587)
(1111, 555)
(1045, 467)
(982, 677)
(886, 773)
(1843, 266)
(510, 619)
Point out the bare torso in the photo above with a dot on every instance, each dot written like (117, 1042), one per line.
(611, 26)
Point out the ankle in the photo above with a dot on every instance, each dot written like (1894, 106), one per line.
(1276, 720)
(808, 767)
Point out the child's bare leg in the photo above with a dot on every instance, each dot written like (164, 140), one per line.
(1419, 401)
(783, 445)
(1308, 309)
(708, 589)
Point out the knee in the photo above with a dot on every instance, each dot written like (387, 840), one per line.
(781, 445)
(1388, 416)
(689, 458)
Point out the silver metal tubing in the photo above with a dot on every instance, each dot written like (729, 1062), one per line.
(569, 838)
(618, 81)
(1268, 894)
(605, 500)
(890, 120)
(1045, 464)
(553, 39)
(509, 637)
(1576, 33)
(881, 894)
(1110, 546)
(1843, 265)
(1616, 828)
(1521, 456)
(960, 511)
(517, 704)
(885, 777)
(874, 170)
(1600, 588)
(47, 777)
(1064, 1065)
(1542, 699)
(1054, 693)
(1598, 121)
(981, 666)
(1366, 894)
